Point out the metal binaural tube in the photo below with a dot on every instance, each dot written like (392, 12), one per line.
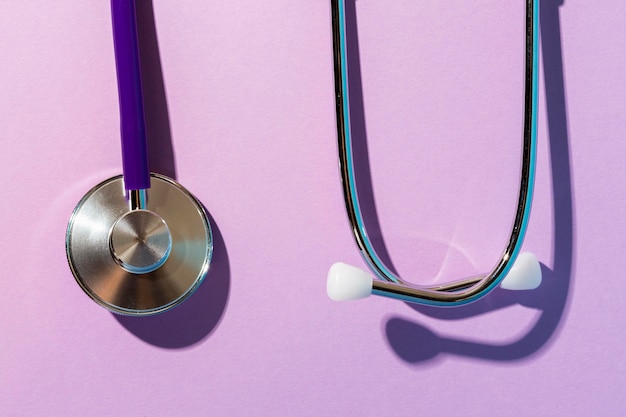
(132, 122)
(388, 283)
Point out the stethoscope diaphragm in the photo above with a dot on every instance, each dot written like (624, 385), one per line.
(143, 261)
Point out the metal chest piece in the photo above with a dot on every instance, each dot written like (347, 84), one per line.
(143, 261)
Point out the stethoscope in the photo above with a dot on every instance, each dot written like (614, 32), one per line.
(513, 271)
(140, 243)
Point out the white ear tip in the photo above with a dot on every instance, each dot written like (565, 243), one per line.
(347, 282)
(524, 275)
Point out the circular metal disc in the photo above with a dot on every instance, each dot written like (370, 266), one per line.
(140, 241)
(107, 280)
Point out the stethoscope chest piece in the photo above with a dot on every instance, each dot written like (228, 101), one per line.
(139, 261)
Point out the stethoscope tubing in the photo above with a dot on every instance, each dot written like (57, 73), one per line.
(388, 283)
(132, 120)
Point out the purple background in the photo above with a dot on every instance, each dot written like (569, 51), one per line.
(240, 110)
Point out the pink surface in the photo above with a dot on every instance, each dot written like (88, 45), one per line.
(241, 111)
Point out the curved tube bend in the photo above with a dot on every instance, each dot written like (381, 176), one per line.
(466, 290)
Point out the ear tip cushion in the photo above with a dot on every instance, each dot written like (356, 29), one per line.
(525, 273)
(347, 282)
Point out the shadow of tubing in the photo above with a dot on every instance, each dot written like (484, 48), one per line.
(195, 319)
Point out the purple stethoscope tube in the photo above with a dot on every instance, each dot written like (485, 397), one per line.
(132, 122)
